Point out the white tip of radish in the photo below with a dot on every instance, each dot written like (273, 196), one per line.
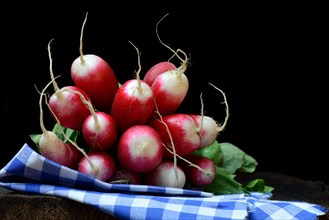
(166, 174)
(104, 165)
(139, 148)
(144, 92)
(209, 131)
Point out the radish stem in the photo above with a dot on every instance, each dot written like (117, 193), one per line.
(139, 87)
(42, 125)
(199, 129)
(222, 127)
(189, 162)
(93, 167)
(180, 70)
(171, 140)
(87, 103)
(56, 88)
(81, 36)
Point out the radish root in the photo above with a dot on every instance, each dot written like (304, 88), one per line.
(181, 69)
(173, 151)
(89, 106)
(92, 165)
(42, 125)
(139, 87)
(56, 88)
(82, 60)
(170, 137)
(222, 127)
(190, 163)
(199, 129)
(58, 92)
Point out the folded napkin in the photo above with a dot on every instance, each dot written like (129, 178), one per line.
(30, 172)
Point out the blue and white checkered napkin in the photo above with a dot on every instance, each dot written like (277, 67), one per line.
(28, 171)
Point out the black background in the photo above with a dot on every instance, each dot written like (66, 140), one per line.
(268, 59)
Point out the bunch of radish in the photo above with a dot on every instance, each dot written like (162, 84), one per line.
(129, 132)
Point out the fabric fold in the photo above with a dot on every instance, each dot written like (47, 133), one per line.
(30, 172)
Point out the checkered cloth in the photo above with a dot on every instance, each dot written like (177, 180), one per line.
(28, 171)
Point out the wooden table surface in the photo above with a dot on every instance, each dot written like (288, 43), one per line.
(17, 205)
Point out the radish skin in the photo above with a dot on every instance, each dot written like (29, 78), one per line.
(156, 70)
(208, 131)
(208, 128)
(133, 103)
(170, 87)
(166, 174)
(53, 148)
(139, 148)
(195, 175)
(95, 76)
(183, 132)
(99, 130)
(102, 161)
(67, 106)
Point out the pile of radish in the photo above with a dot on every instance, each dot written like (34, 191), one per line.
(130, 132)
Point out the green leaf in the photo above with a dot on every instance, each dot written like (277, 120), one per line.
(213, 152)
(57, 129)
(70, 133)
(234, 159)
(258, 185)
(249, 165)
(224, 183)
(35, 138)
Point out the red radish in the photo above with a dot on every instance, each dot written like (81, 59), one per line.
(170, 87)
(202, 173)
(53, 148)
(157, 69)
(96, 77)
(98, 129)
(183, 132)
(208, 128)
(123, 175)
(165, 174)
(104, 165)
(67, 106)
(139, 148)
(133, 103)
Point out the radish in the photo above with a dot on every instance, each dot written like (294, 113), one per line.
(157, 69)
(170, 87)
(183, 133)
(96, 77)
(67, 106)
(104, 165)
(123, 175)
(52, 147)
(98, 129)
(133, 103)
(165, 174)
(139, 148)
(208, 128)
(195, 175)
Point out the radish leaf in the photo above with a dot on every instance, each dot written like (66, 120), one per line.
(213, 152)
(224, 183)
(235, 159)
(70, 133)
(258, 185)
